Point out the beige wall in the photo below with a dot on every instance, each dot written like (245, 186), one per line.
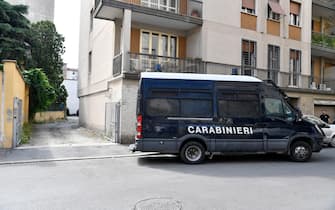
(49, 116)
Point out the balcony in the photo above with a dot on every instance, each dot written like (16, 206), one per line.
(183, 15)
(323, 45)
(139, 62)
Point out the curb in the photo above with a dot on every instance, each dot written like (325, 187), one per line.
(75, 158)
(65, 146)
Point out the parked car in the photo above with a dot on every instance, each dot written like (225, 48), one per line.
(328, 129)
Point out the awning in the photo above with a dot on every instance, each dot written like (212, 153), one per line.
(276, 8)
(324, 102)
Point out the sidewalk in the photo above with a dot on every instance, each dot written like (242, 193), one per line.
(63, 153)
(61, 141)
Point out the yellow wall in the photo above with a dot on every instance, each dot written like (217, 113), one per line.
(14, 86)
(49, 116)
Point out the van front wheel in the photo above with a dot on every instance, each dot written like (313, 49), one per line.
(192, 153)
(301, 151)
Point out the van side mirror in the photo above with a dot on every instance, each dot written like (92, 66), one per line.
(324, 125)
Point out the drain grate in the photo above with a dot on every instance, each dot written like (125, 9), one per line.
(158, 203)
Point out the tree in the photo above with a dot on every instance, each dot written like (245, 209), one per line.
(41, 93)
(14, 33)
(47, 50)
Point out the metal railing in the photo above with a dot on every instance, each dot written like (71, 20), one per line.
(323, 40)
(283, 78)
(193, 8)
(139, 62)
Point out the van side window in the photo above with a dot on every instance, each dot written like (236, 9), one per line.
(238, 105)
(273, 107)
(196, 108)
(162, 107)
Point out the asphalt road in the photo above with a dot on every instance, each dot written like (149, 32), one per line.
(225, 183)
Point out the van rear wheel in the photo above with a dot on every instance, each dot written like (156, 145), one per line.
(301, 151)
(192, 153)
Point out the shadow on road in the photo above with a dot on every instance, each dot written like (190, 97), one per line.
(321, 165)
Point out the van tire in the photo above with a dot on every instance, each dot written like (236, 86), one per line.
(301, 151)
(192, 153)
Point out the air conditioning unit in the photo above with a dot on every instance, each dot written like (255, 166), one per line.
(313, 85)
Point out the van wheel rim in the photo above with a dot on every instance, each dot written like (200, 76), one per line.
(301, 152)
(193, 153)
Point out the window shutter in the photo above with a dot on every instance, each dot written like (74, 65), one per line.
(295, 8)
(250, 4)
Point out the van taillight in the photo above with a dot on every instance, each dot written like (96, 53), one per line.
(139, 127)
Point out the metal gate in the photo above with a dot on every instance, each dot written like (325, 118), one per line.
(112, 122)
(17, 121)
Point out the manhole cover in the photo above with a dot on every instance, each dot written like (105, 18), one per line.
(158, 203)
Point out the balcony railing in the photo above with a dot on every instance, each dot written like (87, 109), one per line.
(323, 40)
(283, 78)
(139, 62)
(190, 8)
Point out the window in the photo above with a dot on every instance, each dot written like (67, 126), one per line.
(275, 10)
(277, 108)
(179, 103)
(159, 107)
(248, 57)
(273, 107)
(238, 105)
(295, 66)
(158, 44)
(273, 63)
(166, 5)
(248, 6)
(294, 13)
(196, 108)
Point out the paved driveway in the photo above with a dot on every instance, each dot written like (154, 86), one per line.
(65, 132)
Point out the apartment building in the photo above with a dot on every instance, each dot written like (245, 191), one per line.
(268, 39)
(323, 52)
(38, 10)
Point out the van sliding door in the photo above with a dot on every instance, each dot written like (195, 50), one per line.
(238, 120)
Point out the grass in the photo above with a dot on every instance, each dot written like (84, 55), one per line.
(26, 133)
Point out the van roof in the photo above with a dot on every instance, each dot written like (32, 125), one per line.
(190, 76)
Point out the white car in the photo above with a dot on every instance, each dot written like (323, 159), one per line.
(328, 129)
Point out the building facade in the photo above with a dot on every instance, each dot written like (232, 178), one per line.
(38, 10)
(268, 39)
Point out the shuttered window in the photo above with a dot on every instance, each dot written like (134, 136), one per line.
(295, 67)
(273, 62)
(248, 57)
(295, 13)
(248, 6)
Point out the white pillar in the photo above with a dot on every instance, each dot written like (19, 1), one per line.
(125, 39)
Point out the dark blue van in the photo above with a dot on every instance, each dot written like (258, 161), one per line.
(194, 115)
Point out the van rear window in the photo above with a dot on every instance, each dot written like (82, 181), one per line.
(162, 107)
(196, 108)
(238, 105)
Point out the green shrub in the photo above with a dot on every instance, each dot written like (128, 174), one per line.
(26, 133)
